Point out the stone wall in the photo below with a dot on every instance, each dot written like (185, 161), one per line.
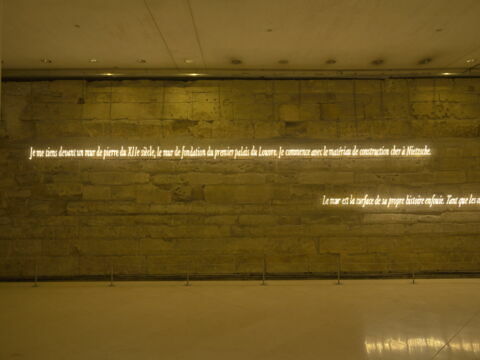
(75, 217)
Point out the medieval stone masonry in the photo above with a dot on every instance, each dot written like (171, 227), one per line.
(71, 217)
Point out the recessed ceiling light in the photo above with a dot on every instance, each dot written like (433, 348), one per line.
(236, 61)
(188, 61)
(378, 62)
(141, 61)
(283, 61)
(447, 73)
(425, 61)
(93, 60)
(194, 74)
(331, 61)
(46, 61)
(107, 74)
(470, 60)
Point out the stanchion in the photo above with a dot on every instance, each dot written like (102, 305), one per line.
(35, 279)
(339, 269)
(413, 275)
(187, 283)
(111, 276)
(264, 272)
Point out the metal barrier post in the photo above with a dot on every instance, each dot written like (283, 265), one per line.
(413, 275)
(264, 272)
(35, 283)
(187, 283)
(339, 269)
(111, 275)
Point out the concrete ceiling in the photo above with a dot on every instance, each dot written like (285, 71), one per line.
(183, 36)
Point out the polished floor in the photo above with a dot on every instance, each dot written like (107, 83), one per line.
(360, 319)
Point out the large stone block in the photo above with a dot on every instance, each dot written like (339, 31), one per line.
(151, 194)
(450, 177)
(57, 266)
(177, 111)
(55, 111)
(177, 93)
(128, 265)
(206, 111)
(26, 247)
(51, 129)
(379, 229)
(107, 247)
(117, 178)
(64, 189)
(222, 219)
(134, 111)
(261, 111)
(98, 92)
(57, 247)
(267, 130)
(139, 91)
(57, 91)
(16, 88)
(289, 112)
(151, 247)
(246, 178)
(96, 111)
(15, 117)
(258, 219)
(325, 177)
(203, 178)
(96, 192)
(325, 130)
(243, 194)
(5, 248)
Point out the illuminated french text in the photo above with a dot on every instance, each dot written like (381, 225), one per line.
(181, 152)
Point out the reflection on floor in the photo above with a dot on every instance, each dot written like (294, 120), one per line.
(414, 346)
(360, 319)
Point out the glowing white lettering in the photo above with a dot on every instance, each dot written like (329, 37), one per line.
(243, 152)
(434, 200)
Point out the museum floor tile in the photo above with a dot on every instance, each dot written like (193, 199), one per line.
(360, 319)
